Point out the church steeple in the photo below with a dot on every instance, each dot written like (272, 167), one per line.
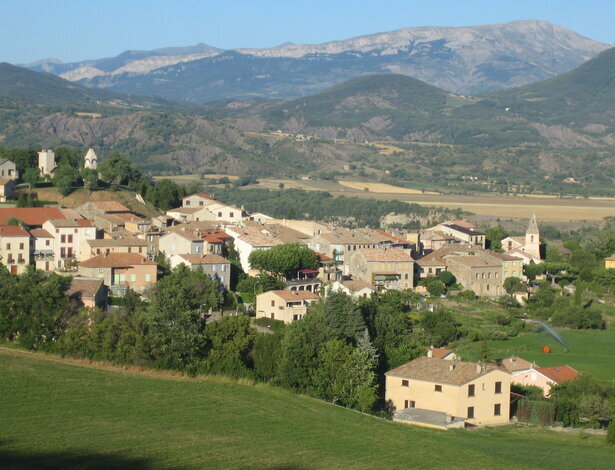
(532, 238)
(532, 227)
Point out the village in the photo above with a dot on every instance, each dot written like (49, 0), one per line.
(109, 250)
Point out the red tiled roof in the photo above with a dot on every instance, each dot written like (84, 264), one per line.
(559, 374)
(205, 259)
(203, 195)
(321, 257)
(84, 223)
(4, 181)
(31, 215)
(111, 206)
(116, 260)
(40, 233)
(440, 353)
(13, 231)
(392, 237)
(294, 294)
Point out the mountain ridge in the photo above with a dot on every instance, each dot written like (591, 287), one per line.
(463, 60)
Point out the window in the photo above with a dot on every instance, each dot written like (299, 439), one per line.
(438, 388)
(405, 383)
(133, 278)
(201, 203)
(231, 215)
(148, 277)
(187, 202)
(69, 238)
(223, 267)
(409, 403)
(47, 242)
(470, 412)
(471, 390)
(497, 409)
(21, 246)
(498, 387)
(63, 239)
(273, 303)
(8, 246)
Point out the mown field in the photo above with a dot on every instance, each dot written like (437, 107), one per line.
(57, 414)
(590, 351)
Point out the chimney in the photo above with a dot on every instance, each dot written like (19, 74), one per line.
(479, 368)
(430, 351)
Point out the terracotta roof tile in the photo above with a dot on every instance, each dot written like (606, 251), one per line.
(559, 374)
(31, 215)
(84, 288)
(205, 259)
(111, 206)
(13, 231)
(441, 370)
(385, 254)
(294, 295)
(116, 260)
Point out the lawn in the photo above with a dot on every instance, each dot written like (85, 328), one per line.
(590, 351)
(56, 414)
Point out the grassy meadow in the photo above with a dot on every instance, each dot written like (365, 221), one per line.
(589, 351)
(62, 414)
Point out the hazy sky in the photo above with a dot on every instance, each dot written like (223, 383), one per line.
(72, 30)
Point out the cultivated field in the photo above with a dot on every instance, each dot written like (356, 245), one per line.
(56, 415)
(546, 207)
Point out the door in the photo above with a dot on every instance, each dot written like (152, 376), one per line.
(13, 269)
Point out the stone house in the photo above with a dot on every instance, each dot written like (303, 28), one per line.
(284, 305)
(120, 271)
(43, 249)
(215, 266)
(69, 239)
(445, 393)
(198, 200)
(383, 268)
(8, 170)
(7, 189)
(88, 292)
(14, 248)
(99, 246)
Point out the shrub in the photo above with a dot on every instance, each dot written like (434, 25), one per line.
(610, 434)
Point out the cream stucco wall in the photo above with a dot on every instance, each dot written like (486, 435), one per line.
(454, 399)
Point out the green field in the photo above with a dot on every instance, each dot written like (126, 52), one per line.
(590, 351)
(56, 414)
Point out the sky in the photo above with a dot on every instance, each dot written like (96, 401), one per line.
(73, 30)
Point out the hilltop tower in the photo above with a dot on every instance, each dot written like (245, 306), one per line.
(532, 238)
(46, 162)
(90, 160)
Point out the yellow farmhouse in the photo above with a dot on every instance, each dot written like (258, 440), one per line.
(442, 393)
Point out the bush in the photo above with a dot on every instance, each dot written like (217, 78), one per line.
(435, 287)
(610, 434)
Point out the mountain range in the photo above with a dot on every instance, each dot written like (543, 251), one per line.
(559, 128)
(462, 60)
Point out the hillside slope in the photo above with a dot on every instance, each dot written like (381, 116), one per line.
(57, 414)
(45, 88)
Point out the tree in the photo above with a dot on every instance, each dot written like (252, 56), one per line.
(64, 178)
(440, 326)
(228, 343)
(31, 176)
(446, 277)
(116, 169)
(90, 178)
(494, 236)
(284, 260)
(512, 284)
(435, 287)
(344, 375)
(266, 355)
